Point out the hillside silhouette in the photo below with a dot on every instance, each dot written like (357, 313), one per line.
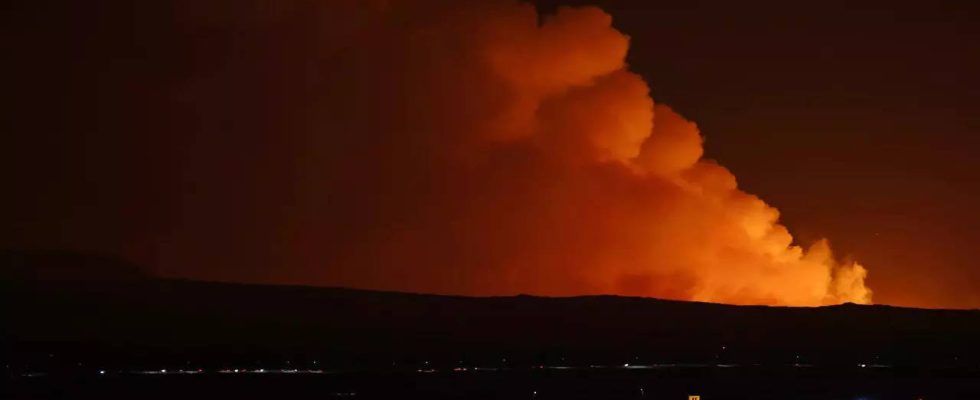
(128, 317)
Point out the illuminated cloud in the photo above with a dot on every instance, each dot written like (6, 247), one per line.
(491, 151)
(438, 146)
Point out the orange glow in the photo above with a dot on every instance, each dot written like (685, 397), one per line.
(526, 157)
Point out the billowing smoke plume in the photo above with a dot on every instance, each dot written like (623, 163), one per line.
(455, 147)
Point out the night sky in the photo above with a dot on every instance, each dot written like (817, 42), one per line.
(426, 146)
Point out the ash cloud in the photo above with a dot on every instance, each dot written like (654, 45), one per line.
(436, 146)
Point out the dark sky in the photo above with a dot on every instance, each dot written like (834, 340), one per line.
(858, 122)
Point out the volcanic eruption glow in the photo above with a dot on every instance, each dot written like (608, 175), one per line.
(503, 154)
(467, 148)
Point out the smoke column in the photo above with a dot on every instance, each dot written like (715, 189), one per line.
(455, 147)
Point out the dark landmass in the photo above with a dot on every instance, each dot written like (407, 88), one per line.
(129, 319)
(78, 326)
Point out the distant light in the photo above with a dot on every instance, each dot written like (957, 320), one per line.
(101, 372)
(236, 371)
(163, 371)
(626, 365)
(863, 365)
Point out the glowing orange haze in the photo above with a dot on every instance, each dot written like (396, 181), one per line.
(467, 148)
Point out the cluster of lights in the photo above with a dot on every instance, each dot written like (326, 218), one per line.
(427, 368)
(201, 371)
(270, 371)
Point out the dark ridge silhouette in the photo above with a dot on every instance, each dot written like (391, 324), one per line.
(156, 322)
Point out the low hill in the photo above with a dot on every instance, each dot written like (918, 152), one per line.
(144, 320)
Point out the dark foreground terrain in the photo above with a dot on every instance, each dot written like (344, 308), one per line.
(668, 383)
(128, 335)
